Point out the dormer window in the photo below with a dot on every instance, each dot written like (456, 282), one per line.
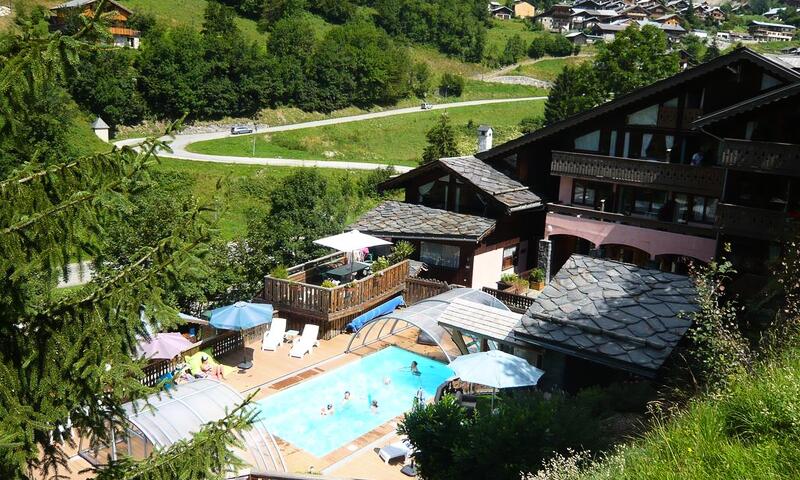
(589, 142)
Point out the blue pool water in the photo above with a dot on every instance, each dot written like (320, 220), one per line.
(294, 414)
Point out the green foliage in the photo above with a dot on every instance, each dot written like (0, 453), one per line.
(537, 275)
(457, 28)
(334, 11)
(694, 47)
(276, 10)
(576, 89)
(421, 79)
(441, 141)
(712, 52)
(635, 58)
(509, 278)
(451, 85)
(380, 263)
(327, 283)
(790, 16)
(401, 250)
(559, 46)
(538, 47)
(280, 272)
(531, 124)
(513, 51)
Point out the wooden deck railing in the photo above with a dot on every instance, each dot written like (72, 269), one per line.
(701, 180)
(752, 222)
(776, 158)
(515, 303)
(326, 303)
(418, 289)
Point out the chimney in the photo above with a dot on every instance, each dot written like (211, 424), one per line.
(484, 138)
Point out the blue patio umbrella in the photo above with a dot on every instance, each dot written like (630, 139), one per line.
(241, 316)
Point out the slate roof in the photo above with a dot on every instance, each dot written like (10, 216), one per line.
(99, 123)
(505, 190)
(80, 3)
(612, 313)
(406, 220)
(760, 101)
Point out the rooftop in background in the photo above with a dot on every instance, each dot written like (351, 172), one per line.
(612, 313)
(81, 3)
(499, 186)
(405, 220)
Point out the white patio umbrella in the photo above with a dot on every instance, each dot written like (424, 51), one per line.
(496, 369)
(351, 241)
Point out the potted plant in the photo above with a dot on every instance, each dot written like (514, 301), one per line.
(328, 283)
(507, 281)
(536, 278)
(521, 286)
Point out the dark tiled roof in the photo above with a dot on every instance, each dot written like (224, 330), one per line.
(777, 95)
(509, 192)
(406, 220)
(613, 313)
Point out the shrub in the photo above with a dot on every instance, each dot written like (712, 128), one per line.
(520, 285)
(559, 46)
(279, 272)
(531, 124)
(381, 263)
(452, 85)
(536, 275)
(538, 48)
(327, 283)
(401, 251)
(509, 277)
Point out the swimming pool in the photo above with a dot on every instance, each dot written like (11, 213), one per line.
(294, 414)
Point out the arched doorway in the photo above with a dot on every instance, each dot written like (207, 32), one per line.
(564, 246)
(626, 254)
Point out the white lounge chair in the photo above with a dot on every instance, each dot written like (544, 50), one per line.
(273, 338)
(394, 451)
(305, 342)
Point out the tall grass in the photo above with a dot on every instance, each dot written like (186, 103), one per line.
(750, 431)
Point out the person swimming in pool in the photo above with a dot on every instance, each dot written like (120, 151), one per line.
(414, 369)
(328, 410)
(374, 407)
(346, 396)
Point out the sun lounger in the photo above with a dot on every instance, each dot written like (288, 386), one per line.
(274, 337)
(306, 342)
(394, 451)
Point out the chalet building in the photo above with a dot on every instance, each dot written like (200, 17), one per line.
(123, 36)
(502, 12)
(523, 9)
(557, 18)
(657, 10)
(469, 222)
(671, 19)
(608, 31)
(669, 173)
(770, 32)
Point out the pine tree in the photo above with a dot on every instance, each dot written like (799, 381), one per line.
(68, 359)
(441, 141)
(575, 89)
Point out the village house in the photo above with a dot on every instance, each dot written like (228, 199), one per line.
(523, 9)
(771, 32)
(502, 12)
(671, 19)
(122, 35)
(557, 18)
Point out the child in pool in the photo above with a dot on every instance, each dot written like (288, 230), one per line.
(374, 407)
(328, 410)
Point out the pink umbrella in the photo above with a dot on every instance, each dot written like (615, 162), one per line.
(162, 346)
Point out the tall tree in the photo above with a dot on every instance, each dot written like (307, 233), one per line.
(441, 141)
(575, 89)
(275, 10)
(635, 58)
(70, 359)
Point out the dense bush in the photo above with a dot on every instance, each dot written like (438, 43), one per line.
(553, 45)
(451, 85)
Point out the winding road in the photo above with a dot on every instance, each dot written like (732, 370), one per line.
(180, 142)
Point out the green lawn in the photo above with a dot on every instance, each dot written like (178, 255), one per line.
(188, 12)
(242, 187)
(394, 140)
(502, 30)
(548, 68)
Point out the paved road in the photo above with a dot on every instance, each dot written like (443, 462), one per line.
(180, 142)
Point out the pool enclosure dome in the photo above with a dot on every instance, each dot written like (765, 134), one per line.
(425, 316)
(179, 414)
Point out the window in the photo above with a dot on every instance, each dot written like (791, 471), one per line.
(612, 148)
(645, 116)
(510, 257)
(641, 201)
(440, 255)
(591, 194)
(656, 146)
(434, 194)
(691, 208)
(589, 142)
(768, 81)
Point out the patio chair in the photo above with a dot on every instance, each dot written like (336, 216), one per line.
(306, 342)
(273, 338)
(394, 451)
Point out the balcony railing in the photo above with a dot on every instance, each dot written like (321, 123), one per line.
(751, 222)
(684, 178)
(124, 31)
(326, 304)
(591, 214)
(777, 158)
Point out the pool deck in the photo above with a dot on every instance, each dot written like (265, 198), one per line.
(275, 371)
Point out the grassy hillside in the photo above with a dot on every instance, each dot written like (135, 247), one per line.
(751, 431)
(243, 187)
(502, 30)
(395, 140)
(548, 68)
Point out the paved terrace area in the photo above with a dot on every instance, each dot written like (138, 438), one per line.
(276, 371)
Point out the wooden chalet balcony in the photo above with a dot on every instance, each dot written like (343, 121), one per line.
(592, 214)
(672, 176)
(295, 295)
(751, 222)
(777, 158)
(124, 31)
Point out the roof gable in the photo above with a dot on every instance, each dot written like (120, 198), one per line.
(685, 76)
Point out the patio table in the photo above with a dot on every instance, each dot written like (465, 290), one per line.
(345, 273)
